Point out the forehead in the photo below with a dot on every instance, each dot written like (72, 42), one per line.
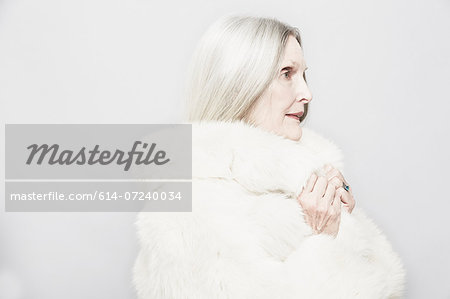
(293, 53)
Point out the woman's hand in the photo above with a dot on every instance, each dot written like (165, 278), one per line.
(320, 200)
(347, 197)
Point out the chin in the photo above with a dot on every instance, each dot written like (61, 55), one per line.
(295, 135)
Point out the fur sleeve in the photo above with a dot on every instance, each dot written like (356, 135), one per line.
(184, 255)
(359, 263)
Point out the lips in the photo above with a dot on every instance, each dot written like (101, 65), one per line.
(296, 115)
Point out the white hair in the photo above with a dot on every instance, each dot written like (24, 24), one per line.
(234, 63)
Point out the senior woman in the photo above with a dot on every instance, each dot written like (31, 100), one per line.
(273, 216)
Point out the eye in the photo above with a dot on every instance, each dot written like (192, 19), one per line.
(287, 74)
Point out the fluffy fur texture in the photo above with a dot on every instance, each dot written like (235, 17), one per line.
(246, 236)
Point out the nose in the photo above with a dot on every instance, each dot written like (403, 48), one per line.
(303, 94)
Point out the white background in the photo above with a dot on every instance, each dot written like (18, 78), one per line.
(380, 76)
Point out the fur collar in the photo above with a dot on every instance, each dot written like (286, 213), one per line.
(260, 161)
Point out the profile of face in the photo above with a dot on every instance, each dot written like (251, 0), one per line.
(279, 108)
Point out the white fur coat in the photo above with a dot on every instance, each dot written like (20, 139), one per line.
(246, 237)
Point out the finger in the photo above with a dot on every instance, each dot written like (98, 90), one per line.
(311, 182)
(337, 199)
(347, 198)
(325, 205)
(338, 174)
(329, 195)
(319, 191)
(351, 204)
(333, 172)
(320, 186)
(336, 182)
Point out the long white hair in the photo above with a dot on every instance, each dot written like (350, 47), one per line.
(235, 62)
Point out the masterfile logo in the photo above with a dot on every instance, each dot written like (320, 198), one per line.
(91, 157)
(98, 167)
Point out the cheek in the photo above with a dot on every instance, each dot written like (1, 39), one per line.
(285, 94)
(283, 101)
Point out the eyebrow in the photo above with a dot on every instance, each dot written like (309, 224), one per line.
(294, 63)
(290, 67)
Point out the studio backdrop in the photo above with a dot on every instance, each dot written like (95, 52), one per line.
(378, 70)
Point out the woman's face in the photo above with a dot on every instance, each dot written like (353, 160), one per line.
(286, 95)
